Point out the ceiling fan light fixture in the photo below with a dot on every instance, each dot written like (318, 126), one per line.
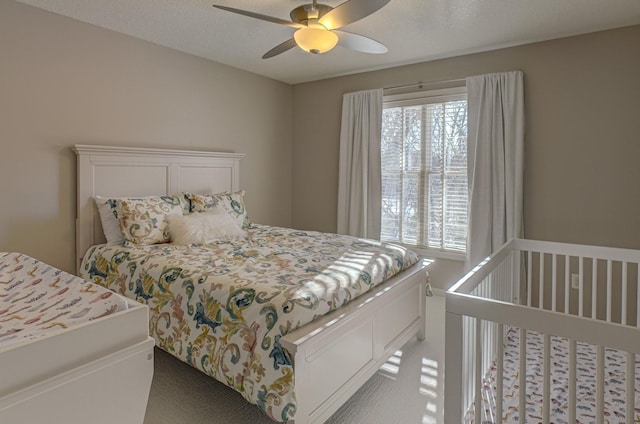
(318, 26)
(315, 39)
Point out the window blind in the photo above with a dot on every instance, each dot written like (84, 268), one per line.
(424, 172)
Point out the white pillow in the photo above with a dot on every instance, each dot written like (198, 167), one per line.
(110, 224)
(202, 227)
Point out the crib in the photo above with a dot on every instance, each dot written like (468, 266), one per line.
(71, 352)
(545, 332)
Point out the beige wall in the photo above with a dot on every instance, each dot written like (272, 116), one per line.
(582, 139)
(63, 82)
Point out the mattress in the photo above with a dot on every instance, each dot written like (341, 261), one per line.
(586, 354)
(223, 307)
(37, 299)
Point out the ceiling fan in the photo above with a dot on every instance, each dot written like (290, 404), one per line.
(317, 26)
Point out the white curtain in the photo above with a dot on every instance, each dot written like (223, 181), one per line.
(495, 161)
(359, 189)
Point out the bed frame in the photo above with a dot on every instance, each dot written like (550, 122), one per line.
(78, 375)
(581, 293)
(332, 356)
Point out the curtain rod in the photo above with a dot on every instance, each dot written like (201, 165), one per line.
(421, 84)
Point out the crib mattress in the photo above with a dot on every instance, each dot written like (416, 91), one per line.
(586, 354)
(36, 299)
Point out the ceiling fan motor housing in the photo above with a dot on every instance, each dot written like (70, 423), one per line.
(302, 14)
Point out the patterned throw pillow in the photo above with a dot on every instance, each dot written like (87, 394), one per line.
(143, 220)
(233, 203)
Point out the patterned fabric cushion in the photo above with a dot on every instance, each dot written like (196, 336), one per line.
(233, 203)
(143, 220)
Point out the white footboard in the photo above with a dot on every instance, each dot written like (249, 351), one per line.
(349, 345)
(583, 294)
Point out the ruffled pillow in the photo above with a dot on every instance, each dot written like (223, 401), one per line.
(232, 203)
(202, 227)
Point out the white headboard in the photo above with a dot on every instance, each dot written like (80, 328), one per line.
(131, 171)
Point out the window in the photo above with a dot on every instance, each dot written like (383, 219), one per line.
(424, 170)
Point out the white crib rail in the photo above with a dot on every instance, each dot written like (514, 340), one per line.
(600, 311)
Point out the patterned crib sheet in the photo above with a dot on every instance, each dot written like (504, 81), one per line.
(223, 307)
(37, 299)
(586, 355)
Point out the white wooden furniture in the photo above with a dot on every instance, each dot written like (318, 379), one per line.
(96, 372)
(334, 355)
(581, 293)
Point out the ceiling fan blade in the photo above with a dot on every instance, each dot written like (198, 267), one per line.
(360, 43)
(350, 11)
(280, 48)
(259, 16)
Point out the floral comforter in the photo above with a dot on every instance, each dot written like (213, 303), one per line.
(223, 307)
(37, 299)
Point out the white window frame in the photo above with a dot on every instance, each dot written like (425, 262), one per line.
(421, 98)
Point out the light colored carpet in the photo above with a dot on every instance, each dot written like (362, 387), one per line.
(408, 389)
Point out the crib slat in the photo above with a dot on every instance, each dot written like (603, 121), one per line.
(554, 282)
(609, 282)
(486, 349)
(522, 400)
(541, 283)
(567, 283)
(500, 376)
(623, 312)
(529, 272)
(517, 260)
(581, 286)
(470, 357)
(594, 288)
(546, 389)
(630, 390)
(600, 384)
(478, 372)
(468, 345)
(572, 381)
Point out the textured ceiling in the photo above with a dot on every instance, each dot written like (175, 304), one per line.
(413, 30)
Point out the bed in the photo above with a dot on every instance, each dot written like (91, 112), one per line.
(545, 332)
(64, 344)
(298, 370)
